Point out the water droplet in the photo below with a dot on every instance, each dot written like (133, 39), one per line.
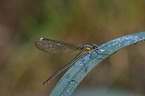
(119, 45)
(70, 87)
(143, 38)
(41, 39)
(135, 43)
(102, 50)
(72, 82)
(109, 50)
(67, 90)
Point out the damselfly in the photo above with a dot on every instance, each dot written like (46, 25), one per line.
(61, 48)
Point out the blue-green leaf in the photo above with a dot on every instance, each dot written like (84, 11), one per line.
(77, 72)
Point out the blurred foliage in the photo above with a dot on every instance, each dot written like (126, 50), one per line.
(23, 68)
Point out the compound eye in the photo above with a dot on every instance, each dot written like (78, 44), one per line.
(95, 46)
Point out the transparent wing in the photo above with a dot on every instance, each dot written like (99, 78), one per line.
(57, 47)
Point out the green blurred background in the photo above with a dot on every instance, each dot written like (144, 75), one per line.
(23, 67)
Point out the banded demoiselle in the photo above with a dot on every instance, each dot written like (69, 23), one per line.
(61, 48)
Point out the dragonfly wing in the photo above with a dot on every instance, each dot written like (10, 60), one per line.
(57, 47)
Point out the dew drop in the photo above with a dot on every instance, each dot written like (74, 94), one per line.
(102, 50)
